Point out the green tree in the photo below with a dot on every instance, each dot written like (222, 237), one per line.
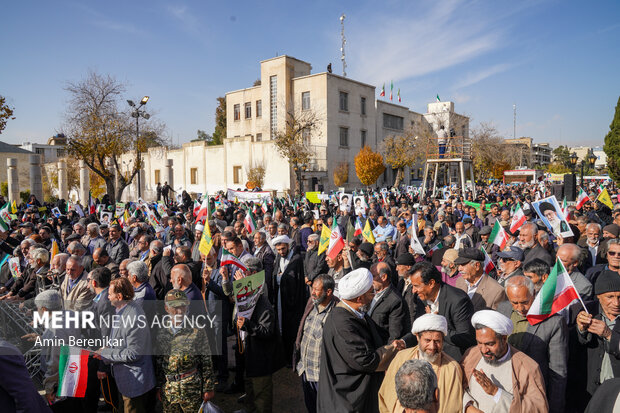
(561, 154)
(6, 113)
(612, 146)
(203, 136)
(220, 122)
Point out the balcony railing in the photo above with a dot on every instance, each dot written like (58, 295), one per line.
(456, 147)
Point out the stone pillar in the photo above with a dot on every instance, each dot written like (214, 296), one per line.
(84, 183)
(169, 173)
(13, 180)
(36, 185)
(63, 192)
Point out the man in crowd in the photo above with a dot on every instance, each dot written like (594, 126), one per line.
(117, 248)
(388, 309)
(483, 290)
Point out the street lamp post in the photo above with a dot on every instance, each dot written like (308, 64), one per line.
(590, 159)
(137, 113)
(299, 168)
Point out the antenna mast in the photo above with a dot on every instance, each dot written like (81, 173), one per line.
(344, 41)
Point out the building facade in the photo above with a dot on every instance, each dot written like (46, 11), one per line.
(348, 115)
(53, 151)
(531, 155)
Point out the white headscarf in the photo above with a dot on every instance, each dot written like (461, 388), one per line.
(495, 321)
(355, 284)
(430, 322)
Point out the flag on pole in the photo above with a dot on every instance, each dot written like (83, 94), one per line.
(437, 246)
(557, 293)
(398, 94)
(206, 242)
(203, 211)
(336, 243)
(13, 207)
(488, 264)
(605, 199)
(582, 199)
(324, 240)
(391, 89)
(367, 233)
(564, 206)
(350, 231)
(229, 258)
(517, 220)
(498, 236)
(383, 91)
(263, 207)
(91, 204)
(438, 100)
(249, 222)
(72, 372)
(358, 227)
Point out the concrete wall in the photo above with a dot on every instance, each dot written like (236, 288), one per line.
(23, 168)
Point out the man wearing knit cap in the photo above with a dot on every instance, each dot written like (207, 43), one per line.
(351, 352)
(595, 332)
(430, 330)
(500, 378)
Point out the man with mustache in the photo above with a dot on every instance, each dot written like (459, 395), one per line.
(500, 378)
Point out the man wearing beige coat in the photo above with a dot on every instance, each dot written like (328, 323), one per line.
(483, 291)
(76, 294)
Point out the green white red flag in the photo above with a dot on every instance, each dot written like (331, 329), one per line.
(517, 220)
(382, 91)
(72, 372)
(229, 258)
(557, 293)
(582, 199)
(249, 222)
(488, 263)
(336, 243)
(437, 246)
(358, 227)
(498, 236)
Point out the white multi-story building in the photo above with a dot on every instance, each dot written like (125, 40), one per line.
(54, 150)
(349, 118)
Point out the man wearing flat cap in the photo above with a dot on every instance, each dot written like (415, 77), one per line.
(430, 330)
(595, 332)
(352, 356)
(499, 377)
(483, 290)
(510, 263)
(289, 287)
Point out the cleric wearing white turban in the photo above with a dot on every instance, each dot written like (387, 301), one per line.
(281, 239)
(355, 284)
(494, 320)
(430, 322)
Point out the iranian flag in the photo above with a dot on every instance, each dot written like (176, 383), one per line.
(488, 264)
(498, 236)
(382, 91)
(437, 246)
(391, 89)
(336, 243)
(518, 219)
(249, 222)
(582, 199)
(72, 372)
(358, 227)
(196, 207)
(263, 207)
(557, 293)
(228, 258)
(564, 206)
(91, 204)
(203, 210)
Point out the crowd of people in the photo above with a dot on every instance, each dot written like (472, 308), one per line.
(407, 304)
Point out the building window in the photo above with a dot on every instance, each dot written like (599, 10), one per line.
(305, 101)
(157, 176)
(259, 108)
(60, 153)
(392, 121)
(273, 105)
(363, 106)
(363, 138)
(193, 176)
(344, 137)
(344, 101)
(39, 151)
(259, 137)
(248, 110)
(236, 174)
(237, 109)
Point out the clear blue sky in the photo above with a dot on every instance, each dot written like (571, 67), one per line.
(557, 60)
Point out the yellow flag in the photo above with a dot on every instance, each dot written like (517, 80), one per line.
(55, 249)
(326, 233)
(14, 207)
(605, 198)
(206, 242)
(367, 233)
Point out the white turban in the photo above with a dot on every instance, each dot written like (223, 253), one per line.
(281, 239)
(355, 284)
(200, 227)
(493, 320)
(430, 322)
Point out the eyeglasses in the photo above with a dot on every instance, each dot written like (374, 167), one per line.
(613, 253)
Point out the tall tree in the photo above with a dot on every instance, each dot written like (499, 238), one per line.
(220, 122)
(561, 155)
(612, 145)
(6, 113)
(99, 132)
(368, 165)
(490, 154)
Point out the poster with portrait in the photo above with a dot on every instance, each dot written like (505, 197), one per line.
(360, 205)
(345, 202)
(105, 217)
(550, 213)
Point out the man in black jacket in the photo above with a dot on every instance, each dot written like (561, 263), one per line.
(314, 264)
(388, 309)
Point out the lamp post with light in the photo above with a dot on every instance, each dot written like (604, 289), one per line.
(137, 113)
(299, 169)
(590, 159)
